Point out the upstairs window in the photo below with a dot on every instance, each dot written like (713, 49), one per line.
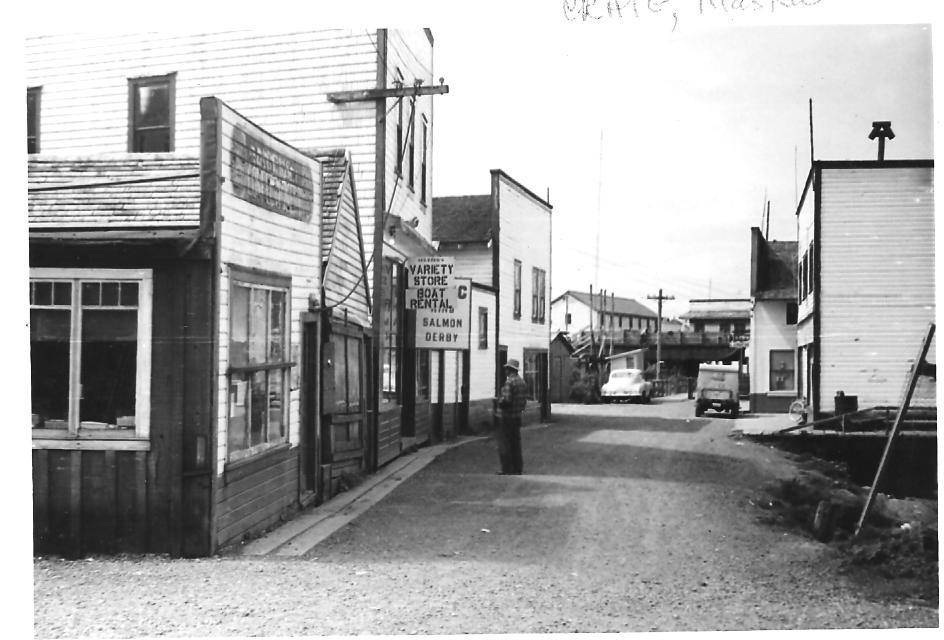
(33, 95)
(516, 311)
(410, 177)
(398, 81)
(423, 161)
(538, 278)
(791, 313)
(391, 307)
(151, 103)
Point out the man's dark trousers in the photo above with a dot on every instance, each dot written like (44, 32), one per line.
(509, 443)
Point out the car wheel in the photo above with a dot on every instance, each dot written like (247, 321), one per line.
(735, 411)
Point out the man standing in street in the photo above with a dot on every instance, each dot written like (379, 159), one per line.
(511, 403)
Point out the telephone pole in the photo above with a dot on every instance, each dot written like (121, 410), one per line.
(660, 298)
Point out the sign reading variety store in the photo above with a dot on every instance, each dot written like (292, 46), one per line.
(442, 303)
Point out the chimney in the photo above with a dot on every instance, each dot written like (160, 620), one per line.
(881, 129)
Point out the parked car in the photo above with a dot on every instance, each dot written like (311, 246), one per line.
(626, 384)
(717, 388)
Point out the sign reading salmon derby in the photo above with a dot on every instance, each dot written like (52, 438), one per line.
(441, 301)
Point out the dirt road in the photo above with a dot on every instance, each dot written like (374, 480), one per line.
(628, 518)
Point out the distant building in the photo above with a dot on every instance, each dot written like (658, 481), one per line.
(563, 366)
(866, 279)
(720, 315)
(570, 312)
(773, 345)
(502, 241)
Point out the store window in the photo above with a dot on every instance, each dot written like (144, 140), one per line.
(529, 372)
(516, 311)
(483, 328)
(782, 370)
(33, 95)
(389, 332)
(90, 352)
(152, 114)
(259, 368)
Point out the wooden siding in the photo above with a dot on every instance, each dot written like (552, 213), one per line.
(411, 53)
(472, 261)
(388, 436)
(877, 279)
(278, 80)
(344, 276)
(769, 332)
(253, 238)
(138, 501)
(525, 235)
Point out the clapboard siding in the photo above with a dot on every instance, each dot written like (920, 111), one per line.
(388, 436)
(412, 54)
(258, 500)
(278, 80)
(769, 332)
(344, 274)
(482, 361)
(877, 293)
(474, 262)
(525, 235)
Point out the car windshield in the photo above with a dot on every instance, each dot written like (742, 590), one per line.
(625, 376)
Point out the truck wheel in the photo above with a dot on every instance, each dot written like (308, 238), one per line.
(735, 411)
(698, 410)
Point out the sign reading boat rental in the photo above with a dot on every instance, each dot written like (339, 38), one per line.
(442, 303)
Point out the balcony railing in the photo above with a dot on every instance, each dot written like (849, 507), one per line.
(634, 338)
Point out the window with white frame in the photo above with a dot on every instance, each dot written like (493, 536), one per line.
(90, 353)
(782, 370)
(259, 367)
(516, 311)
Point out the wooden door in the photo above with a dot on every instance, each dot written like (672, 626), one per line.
(310, 400)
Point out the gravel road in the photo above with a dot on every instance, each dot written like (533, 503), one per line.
(628, 518)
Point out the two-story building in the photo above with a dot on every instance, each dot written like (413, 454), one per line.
(502, 241)
(773, 344)
(120, 120)
(865, 272)
(575, 311)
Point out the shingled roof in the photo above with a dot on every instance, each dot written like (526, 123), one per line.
(126, 192)
(624, 306)
(462, 218)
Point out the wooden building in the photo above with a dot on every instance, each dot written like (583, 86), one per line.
(503, 240)
(773, 346)
(571, 312)
(865, 270)
(184, 312)
(563, 367)
(369, 92)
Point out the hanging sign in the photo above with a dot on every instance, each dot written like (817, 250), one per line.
(443, 303)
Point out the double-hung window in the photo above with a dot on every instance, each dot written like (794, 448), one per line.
(516, 312)
(259, 367)
(90, 353)
(398, 81)
(389, 301)
(483, 327)
(782, 370)
(538, 277)
(411, 177)
(423, 161)
(151, 120)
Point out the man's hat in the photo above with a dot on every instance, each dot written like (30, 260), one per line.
(512, 364)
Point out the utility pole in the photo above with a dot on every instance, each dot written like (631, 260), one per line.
(660, 298)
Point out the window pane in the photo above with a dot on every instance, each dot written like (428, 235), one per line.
(277, 327)
(781, 371)
(239, 327)
(258, 312)
(110, 294)
(42, 293)
(129, 294)
(276, 400)
(353, 374)
(153, 105)
(258, 408)
(109, 366)
(62, 293)
(238, 406)
(152, 140)
(31, 114)
(91, 294)
(49, 366)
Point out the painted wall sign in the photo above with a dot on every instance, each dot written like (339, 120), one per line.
(269, 178)
(443, 305)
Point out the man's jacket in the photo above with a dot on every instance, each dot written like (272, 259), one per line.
(513, 395)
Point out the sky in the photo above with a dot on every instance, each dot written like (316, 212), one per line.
(697, 126)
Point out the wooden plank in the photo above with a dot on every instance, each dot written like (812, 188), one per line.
(97, 503)
(366, 95)
(75, 503)
(40, 499)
